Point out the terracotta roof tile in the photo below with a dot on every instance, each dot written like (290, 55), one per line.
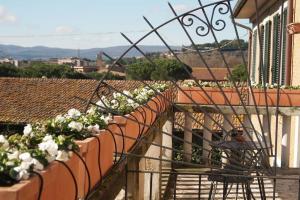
(33, 99)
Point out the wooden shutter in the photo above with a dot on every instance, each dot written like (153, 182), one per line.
(276, 34)
(261, 51)
(254, 46)
(283, 52)
(267, 51)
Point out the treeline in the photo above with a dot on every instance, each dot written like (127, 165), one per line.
(224, 44)
(39, 69)
(139, 69)
(159, 69)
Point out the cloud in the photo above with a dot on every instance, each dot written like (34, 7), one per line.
(181, 8)
(64, 29)
(6, 16)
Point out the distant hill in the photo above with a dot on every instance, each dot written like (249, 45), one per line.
(42, 52)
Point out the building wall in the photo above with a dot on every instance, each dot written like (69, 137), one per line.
(296, 47)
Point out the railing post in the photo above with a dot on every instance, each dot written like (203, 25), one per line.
(188, 136)
(207, 138)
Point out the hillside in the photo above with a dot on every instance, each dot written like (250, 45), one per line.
(42, 52)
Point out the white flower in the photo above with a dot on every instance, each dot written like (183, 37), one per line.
(49, 146)
(59, 119)
(3, 142)
(22, 173)
(75, 126)
(92, 110)
(127, 93)
(26, 157)
(94, 129)
(27, 130)
(62, 156)
(106, 119)
(73, 113)
(37, 165)
(14, 155)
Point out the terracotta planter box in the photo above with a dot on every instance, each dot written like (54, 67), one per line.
(93, 155)
(58, 184)
(130, 125)
(287, 97)
(198, 96)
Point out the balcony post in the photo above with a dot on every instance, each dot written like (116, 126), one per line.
(247, 125)
(188, 136)
(286, 132)
(266, 128)
(207, 138)
(167, 141)
(226, 134)
(227, 127)
(295, 141)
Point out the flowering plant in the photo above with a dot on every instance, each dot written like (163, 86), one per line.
(193, 83)
(126, 102)
(42, 143)
(22, 154)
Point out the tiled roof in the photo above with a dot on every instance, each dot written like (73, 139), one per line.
(24, 100)
(199, 117)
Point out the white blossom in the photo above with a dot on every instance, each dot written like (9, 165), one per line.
(27, 130)
(22, 173)
(48, 145)
(75, 126)
(94, 129)
(37, 165)
(73, 113)
(106, 118)
(13, 155)
(3, 142)
(60, 119)
(62, 156)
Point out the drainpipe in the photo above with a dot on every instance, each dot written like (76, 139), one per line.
(289, 43)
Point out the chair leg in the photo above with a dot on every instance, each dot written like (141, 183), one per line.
(210, 191)
(248, 191)
(237, 191)
(225, 187)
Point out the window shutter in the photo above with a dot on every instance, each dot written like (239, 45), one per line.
(254, 46)
(283, 58)
(275, 63)
(261, 49)
(267, 51)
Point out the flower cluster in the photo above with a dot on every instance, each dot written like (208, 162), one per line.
(274, 86)
(223, 84)
(22, 154)
(126, 102)
(42, 143)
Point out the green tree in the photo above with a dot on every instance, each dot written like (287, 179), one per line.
(140, 70)
(163, 69)
(239, 73)
(8, 70)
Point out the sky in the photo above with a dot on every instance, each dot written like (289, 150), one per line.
(82, 24)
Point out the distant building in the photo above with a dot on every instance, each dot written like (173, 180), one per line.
(10, 61)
